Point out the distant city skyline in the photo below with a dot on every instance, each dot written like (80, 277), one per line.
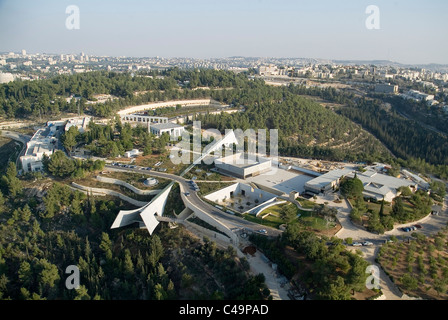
(411, 32)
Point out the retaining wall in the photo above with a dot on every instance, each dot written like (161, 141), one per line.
(100, 191)
(127, 185)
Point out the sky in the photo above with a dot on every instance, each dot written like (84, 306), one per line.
(410, 31)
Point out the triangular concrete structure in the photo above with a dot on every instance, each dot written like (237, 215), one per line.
(147, 213)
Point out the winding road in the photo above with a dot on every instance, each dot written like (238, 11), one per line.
(233, 222)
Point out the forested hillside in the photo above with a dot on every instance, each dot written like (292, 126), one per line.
(306, 128)
(46, 227)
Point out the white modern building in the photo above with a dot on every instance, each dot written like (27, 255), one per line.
(417, 96)
(381, 186)
(327, 182)
(241, 197)
(174, 130)
(132, 153)
(81, 124)
(6, 77)
(42, 142)
(377, 186)
(241, 165)
(142, 118)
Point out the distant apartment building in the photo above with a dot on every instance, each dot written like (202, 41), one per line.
(6, 77)
(386, 88)
(417, 96)
(271, 70)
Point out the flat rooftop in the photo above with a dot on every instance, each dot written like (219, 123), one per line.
(282, 180)
(241, 160)
(373, 179)
(164, 126)
(329, 177)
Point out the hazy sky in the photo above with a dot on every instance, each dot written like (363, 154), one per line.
(410, 31)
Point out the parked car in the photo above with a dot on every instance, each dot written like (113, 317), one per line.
(406, 229)
(263, 231)
(418, 226)
(356, 244)
(367, 243)
(187, 194)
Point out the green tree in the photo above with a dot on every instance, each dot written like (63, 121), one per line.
(409, 282)
(351, 187)
(336, 290)
(398, 211)
(25, 274)
(438, 188)
(81, 293)
(106, 246)
(10, 182)
(69, 138)
(2, 201)
(128, 265)
(25, 213)
(288, 213)
(59, 165)
(48, 274)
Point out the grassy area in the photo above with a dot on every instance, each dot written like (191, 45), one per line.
(137, 179)
(270, 221)
(165, 163)
(307, 219)
(203, 172)
(307, 204)
(313, 221)
(274, 210)
(206, 188)
(375, 207)
(94, 183)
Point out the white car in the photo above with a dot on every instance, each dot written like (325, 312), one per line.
(356, 244)
(367, 243)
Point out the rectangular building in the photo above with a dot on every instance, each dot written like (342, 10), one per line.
(386, 88)
(241, 166)
(42, 143)
(172, 129)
